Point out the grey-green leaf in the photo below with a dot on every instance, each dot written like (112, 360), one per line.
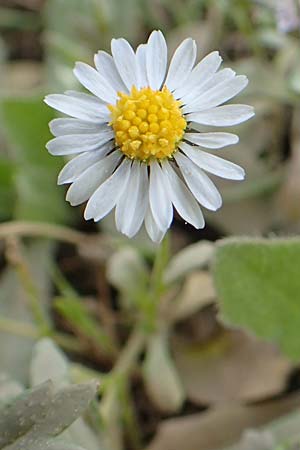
(19, 417)
(42, 413)
(9, 388)
(56, 444)
(29, 443)
(49, 362)
(66, 405)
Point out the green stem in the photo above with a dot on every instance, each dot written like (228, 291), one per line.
(130, 418)
(160, 263)
(111, 407)
(129, 354)
(116, 404)
(157, 285)
(28, 331)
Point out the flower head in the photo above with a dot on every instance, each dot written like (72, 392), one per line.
(140, 136)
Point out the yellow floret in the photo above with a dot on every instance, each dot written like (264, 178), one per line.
(147, 123)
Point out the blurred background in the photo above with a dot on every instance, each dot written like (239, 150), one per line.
(196, 382)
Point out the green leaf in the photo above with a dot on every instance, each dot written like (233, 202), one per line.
(38, 196)
(258, 286)
(25, 122)
(7, 191)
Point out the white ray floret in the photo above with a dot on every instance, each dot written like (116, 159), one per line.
(137, 135)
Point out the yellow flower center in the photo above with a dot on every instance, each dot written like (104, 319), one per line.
(147, 124)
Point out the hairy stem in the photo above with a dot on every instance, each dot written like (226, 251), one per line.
(111, 407)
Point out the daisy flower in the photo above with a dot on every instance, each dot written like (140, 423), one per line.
(140, 134)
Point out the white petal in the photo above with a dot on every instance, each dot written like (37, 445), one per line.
(212, 82)
(132, 204)
(106, 196)
(90, 98)
(125, 61)
(182, 199)
(94, 82)
(92, 178)
(198, 182)
(106, 67)
(217, 78)
(61, 127)
(181, 64)
(160, 202)
(203, 71)
(142, 66)
(222, 116)
(217, 95)
(74, 168)
(153, 230)
(213, 164)
(78, 143)
(80, 108)
(212, 140)
(156, 59)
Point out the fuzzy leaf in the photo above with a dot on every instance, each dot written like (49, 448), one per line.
(39, 414)
(49, 362)
(66, 405)
(57, 444)
(258, 287)
(42, 444)
(17, 418)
